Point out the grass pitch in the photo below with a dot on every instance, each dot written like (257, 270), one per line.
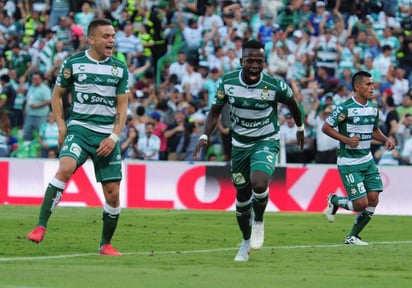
(163, 248)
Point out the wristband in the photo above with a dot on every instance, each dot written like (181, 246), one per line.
(301, 128)
(114, 137)
(203, 137)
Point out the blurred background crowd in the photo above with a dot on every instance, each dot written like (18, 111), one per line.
(176, 52)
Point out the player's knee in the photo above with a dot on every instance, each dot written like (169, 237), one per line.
(360, 205)
(259, 188)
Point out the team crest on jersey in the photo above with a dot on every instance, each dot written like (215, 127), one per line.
(265, 93)
(220, 94)
(341, 117)
(115, 70)
(66, 73)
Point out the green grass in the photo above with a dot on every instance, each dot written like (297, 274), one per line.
(165, 248)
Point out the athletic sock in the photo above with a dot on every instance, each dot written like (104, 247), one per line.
(110, 217)
(243, 215)
(361, 220)
(259, 203)
(51, 198)
(343, 202)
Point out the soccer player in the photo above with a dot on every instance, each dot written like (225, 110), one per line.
(99, 86)
(357, 121)
(253, 97)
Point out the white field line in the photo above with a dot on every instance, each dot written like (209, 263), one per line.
(152, 253)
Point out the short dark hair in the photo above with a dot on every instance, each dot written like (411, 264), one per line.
(358, 77)
(253, 44)
(5, 78)
(389, 101)
(96, 23)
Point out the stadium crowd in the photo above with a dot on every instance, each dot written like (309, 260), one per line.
(316, 46)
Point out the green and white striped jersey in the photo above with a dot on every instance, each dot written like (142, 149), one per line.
(253, 108)
(94, 86)
(354, 119)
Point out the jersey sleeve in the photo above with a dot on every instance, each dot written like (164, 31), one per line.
(123, 86)
(284, 92)
(220, 97)
(65, 74)
(338, 115)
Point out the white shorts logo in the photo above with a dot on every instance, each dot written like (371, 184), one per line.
(75, 149)
(238, 178)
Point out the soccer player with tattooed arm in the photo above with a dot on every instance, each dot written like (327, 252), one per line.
(98, 84)
(253, 98)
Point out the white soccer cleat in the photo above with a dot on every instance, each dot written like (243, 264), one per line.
(355, 240)
(331, 209)
(244, 250)
(258, 235)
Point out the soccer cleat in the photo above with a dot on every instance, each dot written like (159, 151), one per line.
(355, 240)
(244, 250)
(108, 250)
(258, 235)
(37, 234)
(331, 209)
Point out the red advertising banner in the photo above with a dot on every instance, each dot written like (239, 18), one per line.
(181, 185)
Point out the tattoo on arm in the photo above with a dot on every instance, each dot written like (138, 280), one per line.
(117, 119)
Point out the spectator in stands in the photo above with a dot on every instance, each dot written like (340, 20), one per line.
(391, 123)
(326, 147)
(159, 130)
(368, 65)
(406, 106)
(399, 85)
(405, 58)
(192, 84)
(302, 71)
(48, 136)
(17, 118)
(129, 44)
(37, 106)
(404, 131)
(7, 96)
(58, 8)
(148, 144)
(21, 61)
(278, 61)
(188, 142)
(328, 51)
(174, 133)
(265, 31)
(320, 19)
(128, 146)
(8, 143)
(178, 67)
(85, 16)
(210, 86)
(191, 33)
(388, 158)
(288, 132)
(383, 63)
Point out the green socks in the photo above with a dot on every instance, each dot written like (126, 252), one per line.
(361, 220)
(259, 202)
(110, 217)
(243, 215)
(51, 198)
